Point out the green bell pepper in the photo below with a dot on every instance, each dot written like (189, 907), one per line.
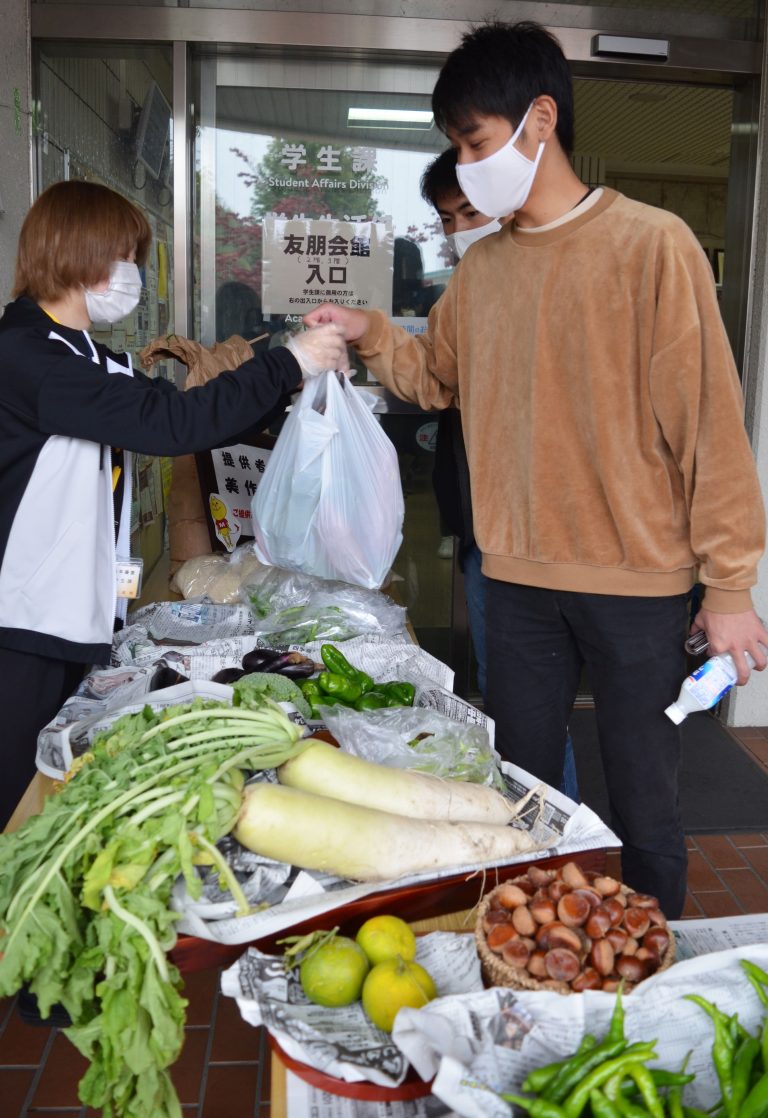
(398, 693)
(372, 700)
(337, 663)
(310, 689)
(340, 687)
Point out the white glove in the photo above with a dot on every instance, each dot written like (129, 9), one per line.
(319, 349)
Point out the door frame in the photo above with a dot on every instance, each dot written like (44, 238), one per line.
(723, 57)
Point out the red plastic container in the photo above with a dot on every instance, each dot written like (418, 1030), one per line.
(412, 1087)
(411, 902)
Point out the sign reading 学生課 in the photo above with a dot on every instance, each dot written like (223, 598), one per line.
(306, 261)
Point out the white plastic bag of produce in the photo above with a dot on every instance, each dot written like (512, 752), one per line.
(330, 502)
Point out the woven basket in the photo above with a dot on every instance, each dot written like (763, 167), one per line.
(497, 972)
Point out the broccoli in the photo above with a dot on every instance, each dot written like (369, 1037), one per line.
(250, 689)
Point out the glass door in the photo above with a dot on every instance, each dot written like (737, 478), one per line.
(308, 190)
(296, 139)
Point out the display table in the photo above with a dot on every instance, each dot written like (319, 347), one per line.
(32, 801)
(431, 906)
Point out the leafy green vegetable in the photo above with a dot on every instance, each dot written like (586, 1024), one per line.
(85, 892)
(455, 758)
(250, 691)
(304, 624)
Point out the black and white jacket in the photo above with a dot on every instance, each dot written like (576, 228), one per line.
(63, 405)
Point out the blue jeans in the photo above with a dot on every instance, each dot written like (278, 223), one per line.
(475, 590)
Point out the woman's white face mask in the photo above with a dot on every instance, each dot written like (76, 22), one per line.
(461, 240)
(121, 297)
(500, 184)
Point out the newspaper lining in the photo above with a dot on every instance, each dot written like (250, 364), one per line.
(342, 1042)
(109, 692)
(477, 1044)
(558, 824)
(302, 1099)
(509, 1023)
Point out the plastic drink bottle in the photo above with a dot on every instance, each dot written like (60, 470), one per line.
(705, 687)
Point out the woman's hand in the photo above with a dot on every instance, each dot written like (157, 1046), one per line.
(319, 349)
(353, 323)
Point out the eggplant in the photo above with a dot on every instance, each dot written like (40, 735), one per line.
(293, 664)
(260, 660)
(166, 677)
(228, 675)
(294, 669)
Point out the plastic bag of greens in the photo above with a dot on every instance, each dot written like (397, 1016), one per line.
(417, 738)
(268, 590)
(332, 615)
(330, 502)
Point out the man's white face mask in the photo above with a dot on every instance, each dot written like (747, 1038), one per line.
(121, 297)
(461, 240)
(500, 184)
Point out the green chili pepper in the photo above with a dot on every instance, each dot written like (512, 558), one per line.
(647, 1088)
(348, 690)
(627, 1108)
(722, 1049)
(601, 1106)
(737, 1030)
(755, 1105)
(743, 1062)
(612, 1045)
(675, 1102)
(614, 1092)
(372, 700)
(616, 1027)
(579, 1097)
(569, 1078)
(664, 1078)
(539, 1079)
(758, 978)
(538, 1107)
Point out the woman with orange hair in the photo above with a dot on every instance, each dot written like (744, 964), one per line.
(71, 411)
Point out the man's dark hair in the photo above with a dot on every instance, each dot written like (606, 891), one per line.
(439, 178)
(498, 70)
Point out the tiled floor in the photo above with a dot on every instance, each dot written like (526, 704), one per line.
(224, 1068)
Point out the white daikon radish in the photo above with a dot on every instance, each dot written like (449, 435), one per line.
(361, 843)
(327, 771)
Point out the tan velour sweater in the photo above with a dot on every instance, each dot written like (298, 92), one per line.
(600, 403)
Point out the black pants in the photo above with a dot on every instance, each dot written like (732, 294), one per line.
(32, 690)
(537, 641)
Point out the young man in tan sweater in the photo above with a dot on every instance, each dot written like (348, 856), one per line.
(603, 421)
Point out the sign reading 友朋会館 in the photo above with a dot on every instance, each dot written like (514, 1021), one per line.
(306, 261)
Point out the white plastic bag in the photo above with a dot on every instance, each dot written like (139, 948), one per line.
(330, 502)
